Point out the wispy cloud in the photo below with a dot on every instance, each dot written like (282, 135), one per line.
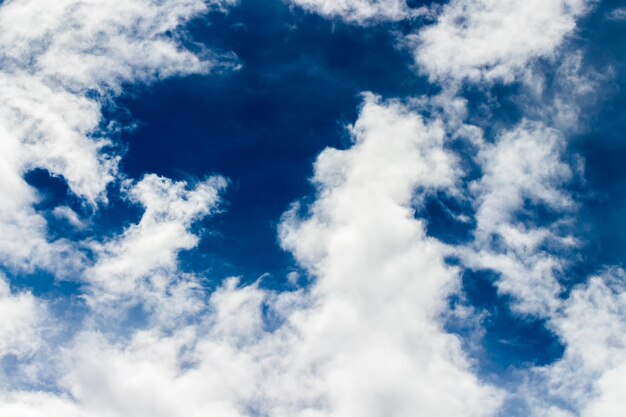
(140, 263)
(362, 11)
(618, 14)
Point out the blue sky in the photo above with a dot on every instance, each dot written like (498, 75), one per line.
(312, 208)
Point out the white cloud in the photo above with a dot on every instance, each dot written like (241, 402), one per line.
(563, 97)
(69, 215)
(366, 338)
(524, 163)
(24, 244)
(37, 404)
(361, 11)
(60, 61)
(381, 283)
(475, 40)
(524, 166)
(142, 261)
(22, 315)
(618, 14)
(493, 39)
(590, 377)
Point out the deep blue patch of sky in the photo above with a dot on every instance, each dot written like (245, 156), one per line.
(263, 125)
(509, 340)
(603, 215)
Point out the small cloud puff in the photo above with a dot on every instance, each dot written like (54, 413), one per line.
(362, 11)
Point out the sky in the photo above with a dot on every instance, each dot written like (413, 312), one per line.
(312, 208)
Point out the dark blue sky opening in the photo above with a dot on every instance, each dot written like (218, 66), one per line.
(510, 340)
(263, 125)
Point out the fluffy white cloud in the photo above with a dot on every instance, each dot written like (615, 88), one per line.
(361, 11)
(37, 404)
(22, 314)
(142, 261)
(381, 283)
(523, 169)
(590, 377)
(524, 163)
(59, 62)
(493, 39)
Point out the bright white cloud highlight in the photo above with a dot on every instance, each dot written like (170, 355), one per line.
(381, 283)
(493, 39)
(21, 314)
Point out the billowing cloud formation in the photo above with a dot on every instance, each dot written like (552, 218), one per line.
(586, 381)
(381, 282)
(523, 168)
(361, 11)
(364, 340)
(490, 39)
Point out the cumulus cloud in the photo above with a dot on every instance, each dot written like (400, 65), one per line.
(524, 170)
(493, 40)
(476, 40)
(381, 282)
(60, 61)
(142, 261)
(22, 314)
